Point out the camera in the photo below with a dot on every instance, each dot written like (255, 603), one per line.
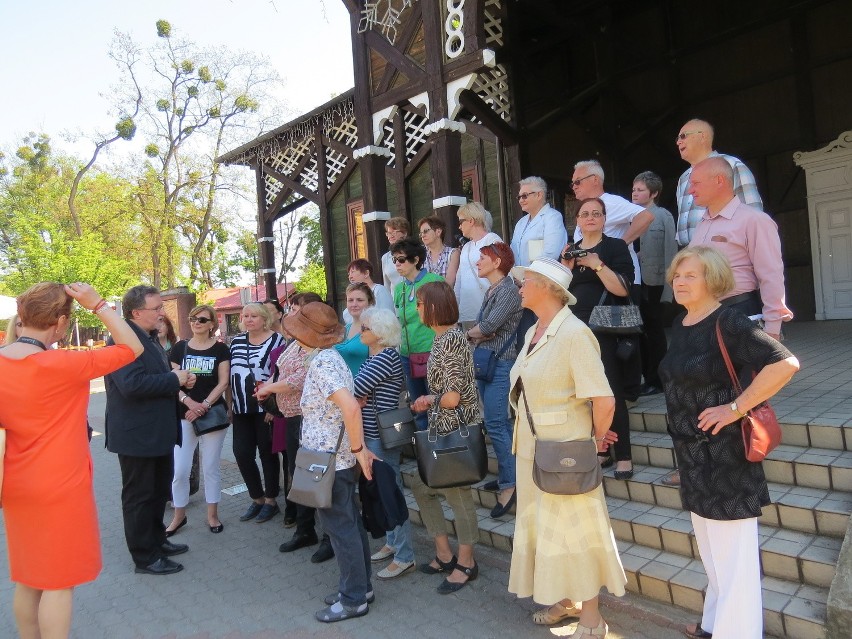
(574, 253)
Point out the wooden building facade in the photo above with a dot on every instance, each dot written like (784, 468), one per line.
(458, 99)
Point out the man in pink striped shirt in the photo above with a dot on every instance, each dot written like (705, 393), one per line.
(749, 239)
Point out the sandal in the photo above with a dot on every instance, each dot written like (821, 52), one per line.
(545, 617)
(695, 631)
(339, 612)
(584, 631)
(447, 586)
(444, 566)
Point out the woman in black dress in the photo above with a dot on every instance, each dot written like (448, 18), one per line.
(722, 490)
(606, 268)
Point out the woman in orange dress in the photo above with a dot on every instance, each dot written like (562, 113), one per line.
(46, 484)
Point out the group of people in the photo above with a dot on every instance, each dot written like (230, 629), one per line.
(529, 303)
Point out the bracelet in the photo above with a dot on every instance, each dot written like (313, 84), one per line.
(99, 306)
(355, 451)
(206, 403)
(182, 398)
(599, 269)
(600, 439)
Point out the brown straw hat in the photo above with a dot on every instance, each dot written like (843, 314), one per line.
(315, 325)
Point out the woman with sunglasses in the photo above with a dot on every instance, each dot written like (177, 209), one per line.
(475, 224)
(409, 257)
(440, 258)
(606, 268)
(210, 360)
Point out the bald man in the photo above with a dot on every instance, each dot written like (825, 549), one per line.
(695, 144)
(747, 237)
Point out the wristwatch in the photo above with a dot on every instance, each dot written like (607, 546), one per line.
(733, 407)
(599, 268)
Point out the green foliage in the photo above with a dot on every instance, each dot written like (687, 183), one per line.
(244, 103)
(126, 128)
(162, 105)
(152, 150)
(312, 280)
(204, 74)
(187, 66)
(164, 29)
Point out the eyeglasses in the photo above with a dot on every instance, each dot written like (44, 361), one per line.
(584, 214)
(156, 308)
(400, 259)
(425, 232)
(199, 320)
(365, 329)
(685, 134)
(523, 196)
(462, 220)
(577, 182)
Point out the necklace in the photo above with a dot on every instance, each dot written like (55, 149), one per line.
(33, 341)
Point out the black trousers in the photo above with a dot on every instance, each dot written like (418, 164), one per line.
(654, 345)
(146, 484)
(305, 519)
(617, 371)
(253, 437)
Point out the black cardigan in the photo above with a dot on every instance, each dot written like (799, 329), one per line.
(587, 286)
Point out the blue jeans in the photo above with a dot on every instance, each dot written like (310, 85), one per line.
(416, 388)
(342, 523)
(400, 537)
(495, 402)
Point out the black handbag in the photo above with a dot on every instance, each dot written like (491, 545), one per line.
(396, 426)
(616, 319)
(455, 459)
(216, 418)
(564, 468)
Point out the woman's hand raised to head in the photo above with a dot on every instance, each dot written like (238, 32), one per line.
(85, 294)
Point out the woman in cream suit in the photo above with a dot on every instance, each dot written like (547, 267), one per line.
(564, 550)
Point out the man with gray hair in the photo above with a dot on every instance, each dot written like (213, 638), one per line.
(541, 232)
(624, 219)
(142, 428)
(695, 143)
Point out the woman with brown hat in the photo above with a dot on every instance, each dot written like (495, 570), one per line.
(328, 404)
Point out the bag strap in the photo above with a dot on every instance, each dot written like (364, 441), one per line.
(727, 358)
(529, 413)
(626, 286)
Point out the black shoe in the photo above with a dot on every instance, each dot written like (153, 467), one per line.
(267, 512)
(217, 529)
(334, 597)
(649, 389)
(169, 533)
(162, 566)
(447, 587)
(298, 541)
(252, 512)
(169, 549)
(289, 522)
(493, 486)
(606, 460)
(501, 509)
(443, 566)
(324, 552)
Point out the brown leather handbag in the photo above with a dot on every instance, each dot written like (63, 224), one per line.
(761, 432)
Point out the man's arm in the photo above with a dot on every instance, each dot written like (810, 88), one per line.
(638, 226)
(133, 381)
(745, 186)
(764, 248)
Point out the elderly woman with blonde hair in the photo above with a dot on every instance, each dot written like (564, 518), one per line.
(722, 490)
(475, 224)
(251, 364)
(564, 549)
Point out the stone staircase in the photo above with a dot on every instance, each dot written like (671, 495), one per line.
(801, 532)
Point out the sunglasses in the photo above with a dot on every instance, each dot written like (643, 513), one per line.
(523, 196)
(582, 215)
(401, 259)
(577, 182)
(365, 329)
(686, 134)
(199, 320)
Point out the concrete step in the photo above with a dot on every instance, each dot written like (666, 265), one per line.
(832, 433)
(810, 510)
(825, 468)
(790, 608)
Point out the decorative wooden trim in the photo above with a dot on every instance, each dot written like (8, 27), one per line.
(293, 185)
(334, 189)
(476, 105)
(337, 146)
(415, 162)
(394, 56)
(376, 216)
(842, 143)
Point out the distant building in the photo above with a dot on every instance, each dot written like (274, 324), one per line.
(228, 306)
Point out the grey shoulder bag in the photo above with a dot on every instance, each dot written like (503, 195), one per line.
(564, 468)
(313, 476)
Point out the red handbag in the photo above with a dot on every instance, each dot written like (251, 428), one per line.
(761, 432)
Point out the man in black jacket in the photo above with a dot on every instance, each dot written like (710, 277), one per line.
(142, 427)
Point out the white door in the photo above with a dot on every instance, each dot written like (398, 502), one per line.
(834, 220)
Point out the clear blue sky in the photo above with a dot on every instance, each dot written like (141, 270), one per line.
(54, 65)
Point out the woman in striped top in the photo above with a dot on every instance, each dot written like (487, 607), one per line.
(250, 355)
(377, 387)
(496, 330)
(441, 259)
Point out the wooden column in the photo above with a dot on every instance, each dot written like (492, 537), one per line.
(265, 238)
(447, 177)
(325, 220)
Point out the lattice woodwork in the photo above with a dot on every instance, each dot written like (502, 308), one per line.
(415, 132)
(271, 189)
(493, 22)
(383, 15)
(493, 87)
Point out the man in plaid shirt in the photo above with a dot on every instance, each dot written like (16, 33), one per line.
(695, 143)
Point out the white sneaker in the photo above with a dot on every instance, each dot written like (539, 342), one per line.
(382, 553)
(395, 569)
